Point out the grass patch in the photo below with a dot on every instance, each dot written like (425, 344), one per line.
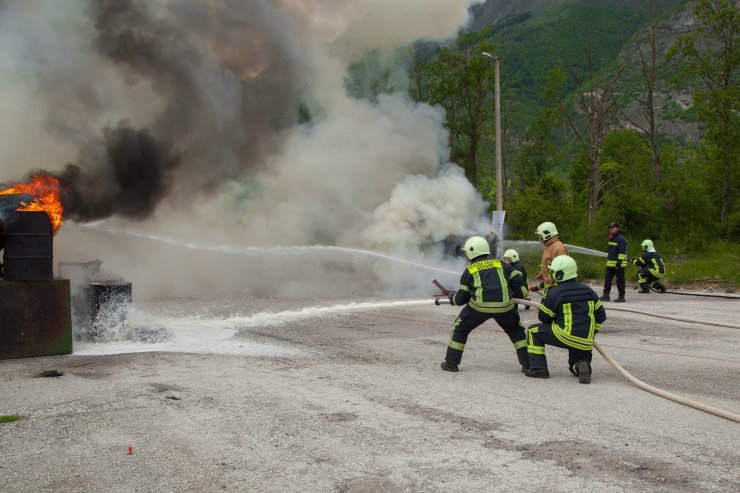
(8, 419)
(718, 264)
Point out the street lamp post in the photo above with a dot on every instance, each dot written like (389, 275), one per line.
(499, 178)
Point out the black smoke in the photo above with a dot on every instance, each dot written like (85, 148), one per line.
(213, 83)
(134, 174)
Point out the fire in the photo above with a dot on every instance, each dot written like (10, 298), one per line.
(45, 189)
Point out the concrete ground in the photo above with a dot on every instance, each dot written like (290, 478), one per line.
(352, 400)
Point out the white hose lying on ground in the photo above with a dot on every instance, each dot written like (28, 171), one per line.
(662, 393)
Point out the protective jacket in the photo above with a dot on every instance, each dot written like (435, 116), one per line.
(616, 255)
(553, 248)
(488, 285)
(652, 262)
(574, 313)
(518, 269)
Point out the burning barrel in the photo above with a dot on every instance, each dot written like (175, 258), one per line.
(28, 247)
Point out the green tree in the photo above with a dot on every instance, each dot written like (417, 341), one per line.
(461, 80)
(712, 55)
(590, 124)
(538, 153)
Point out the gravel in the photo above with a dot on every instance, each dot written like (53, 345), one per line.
(353, 400)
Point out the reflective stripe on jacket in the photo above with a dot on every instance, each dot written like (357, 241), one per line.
(518, 268)
(487, 286)
(652, 262)
(616, 255)
(574, 313)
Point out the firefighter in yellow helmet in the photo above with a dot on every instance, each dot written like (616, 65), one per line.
(511, 257)
(650, 268)
(485, 292)
(570, 316)
(549, 237)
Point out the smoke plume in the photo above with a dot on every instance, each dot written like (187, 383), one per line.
(228, 121)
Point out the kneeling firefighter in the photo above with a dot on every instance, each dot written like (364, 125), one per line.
(487, 287)
(650, 268)
(570, 315)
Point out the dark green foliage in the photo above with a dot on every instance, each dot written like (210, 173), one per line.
(8, 418)
(685, 200)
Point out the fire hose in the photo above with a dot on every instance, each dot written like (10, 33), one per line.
(639, 383)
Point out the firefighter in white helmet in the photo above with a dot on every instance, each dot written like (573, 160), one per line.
(650, 268)
(570, 316)
(511, 257)
(486, 289)
(549, 237)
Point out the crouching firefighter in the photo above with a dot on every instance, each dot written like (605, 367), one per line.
(571, 314)
(650, 268)
(486, 289)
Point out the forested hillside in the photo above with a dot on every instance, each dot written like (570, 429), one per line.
(612, 110)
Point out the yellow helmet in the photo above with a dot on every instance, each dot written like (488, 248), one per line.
(475, 246)
(647, 245)
(562, 268)
(546, 231)
(511, 254)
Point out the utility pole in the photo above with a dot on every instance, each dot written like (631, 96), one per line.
(497, 221)
(499, 177)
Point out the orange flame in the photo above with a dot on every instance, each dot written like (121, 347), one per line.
(45, 189)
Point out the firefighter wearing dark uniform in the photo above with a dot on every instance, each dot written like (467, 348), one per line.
(511, 257)
(570, 314)
(486, 289)
(616, 261)
(650, 268)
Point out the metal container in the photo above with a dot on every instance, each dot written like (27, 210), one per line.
(29, 253)
(109, 294)
(35, 319)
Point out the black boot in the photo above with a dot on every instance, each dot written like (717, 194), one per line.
(447, 366)
(584, 372)
(620, 299)
(645, 290)
(605, 297)
(523, 357)
(537, 373)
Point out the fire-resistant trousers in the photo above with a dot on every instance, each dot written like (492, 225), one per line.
(610, 273)
(645, 278)
(540, 334)
(469, 319)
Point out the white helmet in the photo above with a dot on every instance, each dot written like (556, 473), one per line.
(476, 246)
(647, 245)
(511, 254)
(546, 231)
(563, 268)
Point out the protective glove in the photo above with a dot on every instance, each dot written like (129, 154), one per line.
(630, 260)
(451, 297)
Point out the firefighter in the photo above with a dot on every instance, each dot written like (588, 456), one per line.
(570, 315)
(650, 268)
(616, 261)
(511, 257)
(486, 289)
(550, 239)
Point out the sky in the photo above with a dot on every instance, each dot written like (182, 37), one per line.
(179, 119)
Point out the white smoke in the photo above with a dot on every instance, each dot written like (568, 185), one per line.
(359, 174)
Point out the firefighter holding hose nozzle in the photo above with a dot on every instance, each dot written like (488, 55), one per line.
(650, 268)
(570, 314)
(486, 289)
(550, 239)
